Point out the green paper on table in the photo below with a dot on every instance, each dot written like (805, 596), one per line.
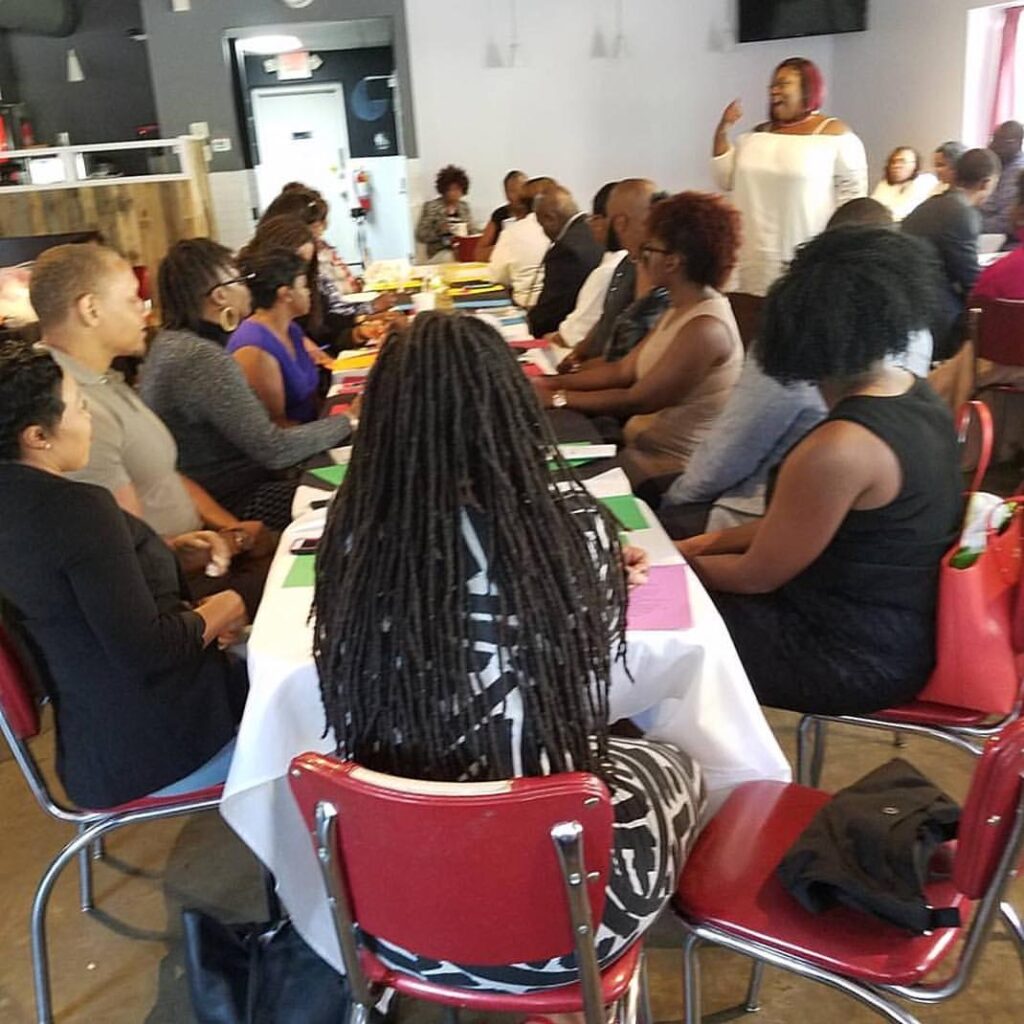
(627, 512)
(302, 573)
(333, 475)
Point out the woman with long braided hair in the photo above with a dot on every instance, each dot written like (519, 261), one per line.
(468, 613)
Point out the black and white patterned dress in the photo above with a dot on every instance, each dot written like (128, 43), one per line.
(657, 798)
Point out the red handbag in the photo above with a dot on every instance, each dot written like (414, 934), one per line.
(976, 652)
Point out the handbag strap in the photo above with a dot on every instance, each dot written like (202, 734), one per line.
(979, 411)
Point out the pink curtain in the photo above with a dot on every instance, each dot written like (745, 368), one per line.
(1004, 98)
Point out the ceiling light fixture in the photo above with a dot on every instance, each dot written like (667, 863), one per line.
(269, 46)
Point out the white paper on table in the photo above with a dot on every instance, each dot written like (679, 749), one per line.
(587, 451)
(311, 524)
(609, 484)
(341, 456)
(540, 358)
(660, 549)
(305, 496)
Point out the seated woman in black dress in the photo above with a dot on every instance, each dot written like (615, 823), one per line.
(830, 598)
(468, 614)
(145, 700)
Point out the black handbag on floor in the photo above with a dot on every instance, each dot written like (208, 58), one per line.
(258, 974)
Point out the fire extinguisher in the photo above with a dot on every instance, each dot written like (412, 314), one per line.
(363, 192)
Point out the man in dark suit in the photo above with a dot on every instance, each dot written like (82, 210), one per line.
(569, 261)
(951, 222)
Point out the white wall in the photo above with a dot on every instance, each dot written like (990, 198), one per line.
(903, 81)
(583, 120)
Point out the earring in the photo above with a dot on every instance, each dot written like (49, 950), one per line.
(48, 445)
(228, 319)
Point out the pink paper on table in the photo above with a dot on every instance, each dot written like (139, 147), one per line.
(663, 602)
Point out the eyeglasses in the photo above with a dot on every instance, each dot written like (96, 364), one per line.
(241, 279)
(646, 250)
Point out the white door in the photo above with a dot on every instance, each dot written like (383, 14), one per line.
(302, 135)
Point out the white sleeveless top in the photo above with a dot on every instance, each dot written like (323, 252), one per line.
(662, 442)
(786, 187)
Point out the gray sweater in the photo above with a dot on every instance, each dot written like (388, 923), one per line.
(226, 441)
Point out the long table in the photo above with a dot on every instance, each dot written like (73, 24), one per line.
(683, 686)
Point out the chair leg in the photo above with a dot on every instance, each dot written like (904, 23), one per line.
(691, 979)
(1012, 923)
(753, 1001)
(84, 876)
(99, 851)
(78, 847)
(898, 739)
(644, 1014)
(804, 732)
(818, 753)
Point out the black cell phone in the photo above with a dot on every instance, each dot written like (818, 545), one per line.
(304, 545)
(320, 503)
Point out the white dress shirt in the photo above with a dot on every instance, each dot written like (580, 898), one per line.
(518, 259)
(590, 301)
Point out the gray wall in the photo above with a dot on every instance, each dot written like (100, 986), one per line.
(117, 93)
(192, 75)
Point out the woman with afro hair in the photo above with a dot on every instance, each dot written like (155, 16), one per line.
(830, 598)
(670, 389)
(443, 218)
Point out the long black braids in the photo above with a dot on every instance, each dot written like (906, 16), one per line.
(451, 428)
(187, 273)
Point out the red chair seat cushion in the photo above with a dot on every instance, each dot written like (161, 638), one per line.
(615, 980)
(148, 803)
(729, 883)
(922, 712)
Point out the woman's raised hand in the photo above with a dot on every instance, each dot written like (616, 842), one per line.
(731, 114)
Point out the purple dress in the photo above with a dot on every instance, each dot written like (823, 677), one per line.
(298, 371)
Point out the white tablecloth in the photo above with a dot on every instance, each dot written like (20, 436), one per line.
(688, 688)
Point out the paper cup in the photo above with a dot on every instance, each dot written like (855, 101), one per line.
(424, 301)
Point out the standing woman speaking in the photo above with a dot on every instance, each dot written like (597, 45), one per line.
(789, 174)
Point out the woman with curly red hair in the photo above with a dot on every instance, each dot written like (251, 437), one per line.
(670, 388)
(448, 215)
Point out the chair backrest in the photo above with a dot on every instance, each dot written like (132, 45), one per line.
(990, 811)
(464, 872)
(999, 330)
(17, 702)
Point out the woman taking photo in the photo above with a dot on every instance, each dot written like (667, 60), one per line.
(226, 440)
(145, 701)
(830, 599)
(673, 385)
(468, 613)
(789, 174)
(270, 346)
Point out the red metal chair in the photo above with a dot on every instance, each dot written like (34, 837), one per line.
(729, 895)
(19, 722)
(997, 329)
(964, 728)
(466, 872)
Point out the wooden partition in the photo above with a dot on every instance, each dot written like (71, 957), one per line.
(139, 216)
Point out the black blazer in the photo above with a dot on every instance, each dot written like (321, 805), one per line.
(139, 702)
(567, 265)
(951, 225)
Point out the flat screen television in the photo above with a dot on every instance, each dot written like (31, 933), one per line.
(786, 19)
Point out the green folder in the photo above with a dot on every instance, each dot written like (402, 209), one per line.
(332, 475)
(302, 573)
(626, 511)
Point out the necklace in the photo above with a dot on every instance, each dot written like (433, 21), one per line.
(776, 125)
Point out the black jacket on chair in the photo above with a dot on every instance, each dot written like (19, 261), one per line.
(139, 702)
(951, 225)
(567, 265)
